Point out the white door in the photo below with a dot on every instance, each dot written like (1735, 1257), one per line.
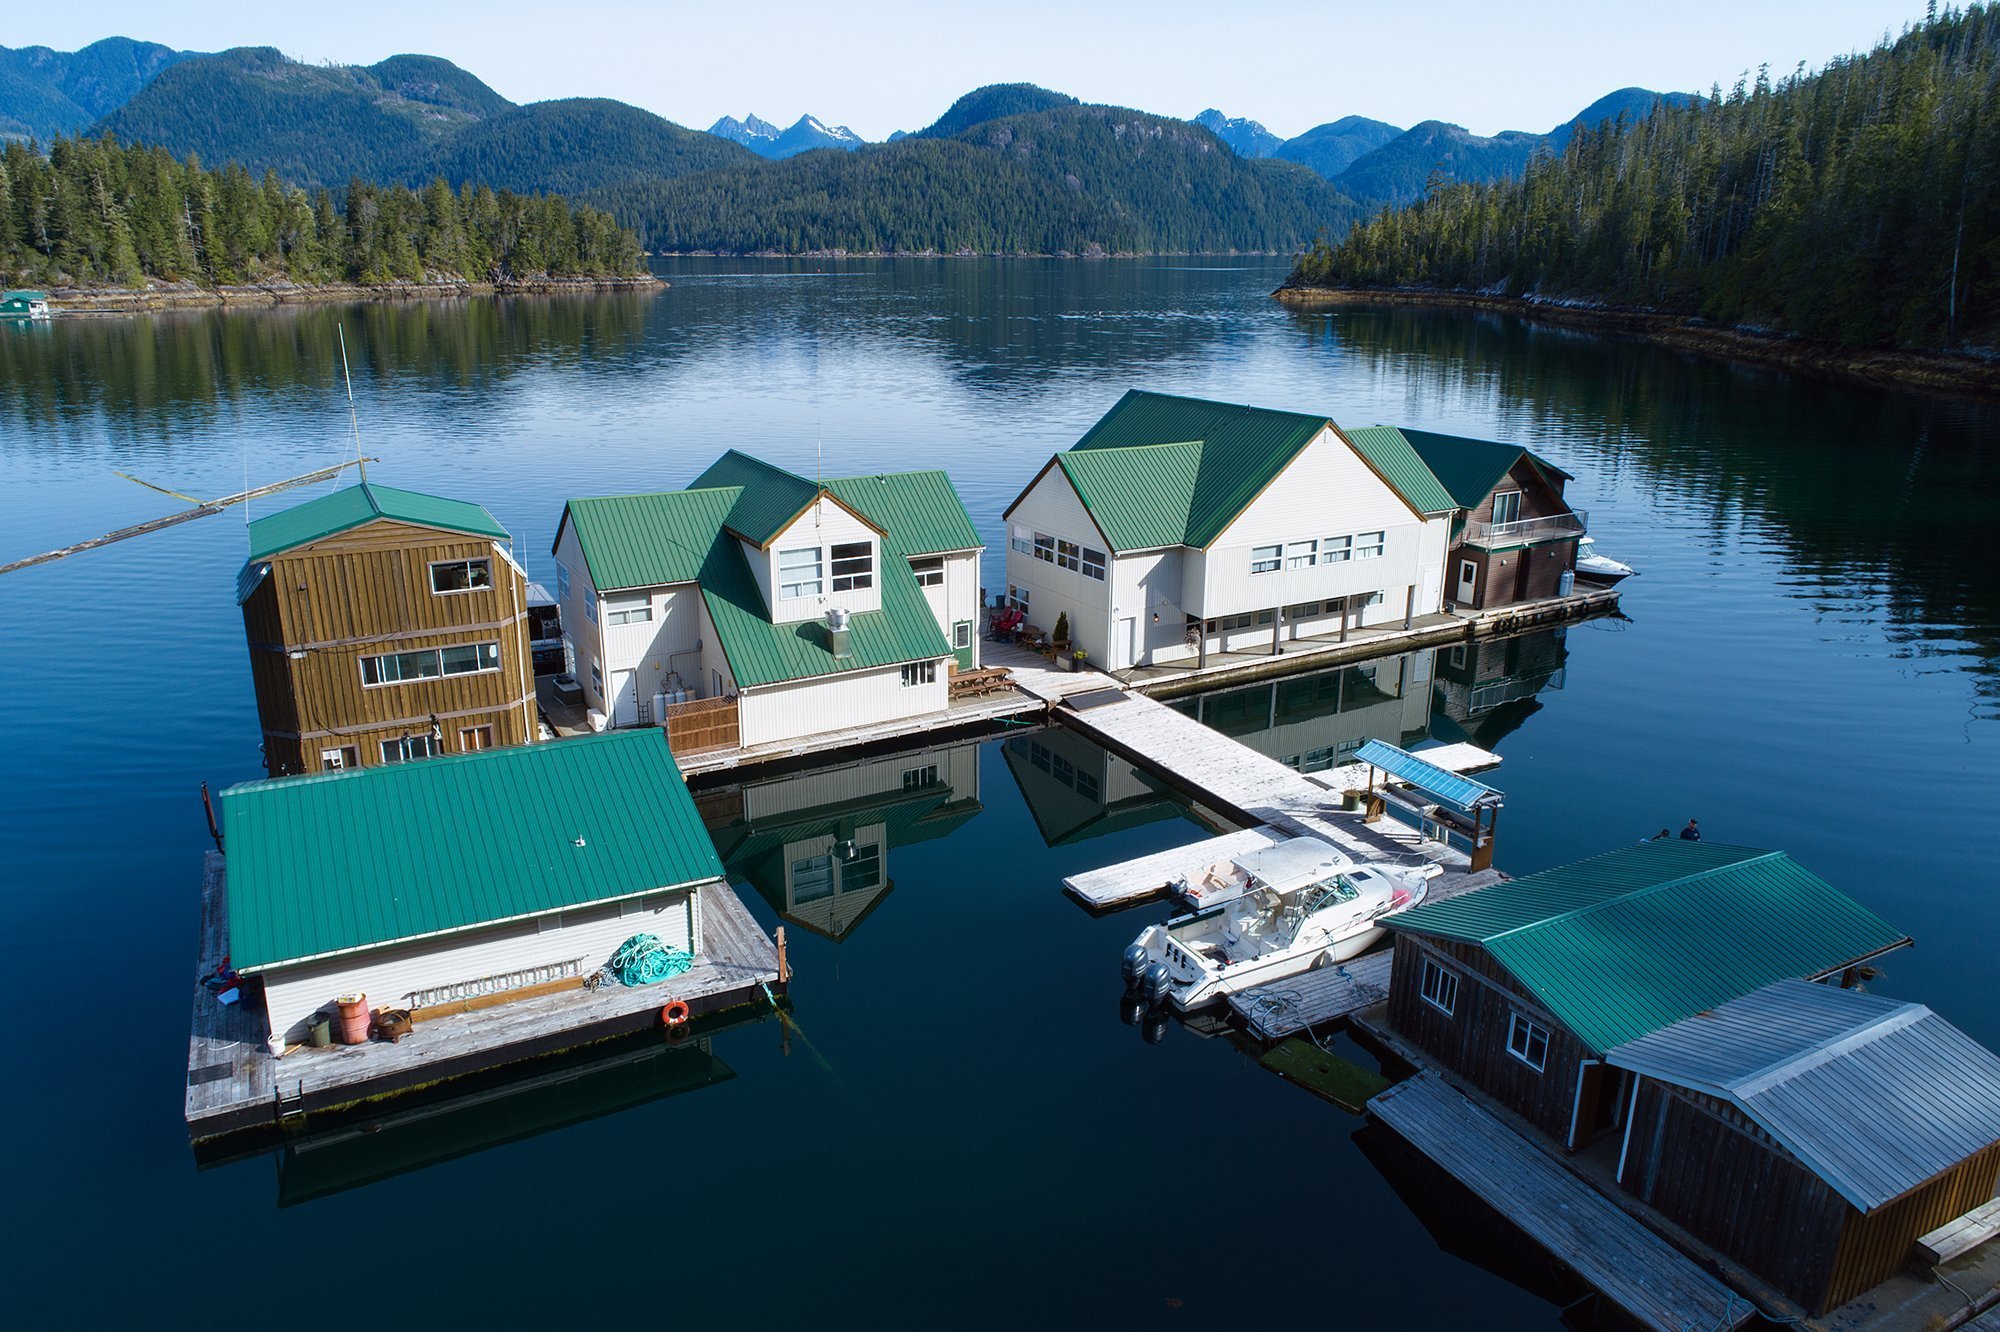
(1430, 601)
(1468, 576)
(624, 698)
(1128, 638)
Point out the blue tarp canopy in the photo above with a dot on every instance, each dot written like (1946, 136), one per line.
(1447, 788)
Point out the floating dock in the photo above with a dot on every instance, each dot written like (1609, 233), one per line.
(1627, 1263)
(234, 1084)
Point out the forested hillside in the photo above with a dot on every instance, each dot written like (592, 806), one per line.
(44, 93)
(96, 212)
(1072, 178)
(1858, 205)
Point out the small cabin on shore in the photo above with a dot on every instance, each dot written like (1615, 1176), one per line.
(472, 874)
(1514, 538)
(1811, 1133)
(790, 607)
(1522, 989)
(384, 626)
(24, 304)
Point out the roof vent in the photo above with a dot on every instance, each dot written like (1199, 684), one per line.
(836, 631)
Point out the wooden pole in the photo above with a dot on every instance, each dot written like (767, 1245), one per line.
(784, 960)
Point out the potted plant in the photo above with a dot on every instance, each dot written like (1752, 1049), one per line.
(1076, 659)
(1060, 638)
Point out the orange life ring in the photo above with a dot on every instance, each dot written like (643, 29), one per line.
(675, 1013)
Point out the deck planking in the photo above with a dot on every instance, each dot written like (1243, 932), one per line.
(1148, 877)
(737, 960)
(1623, 1260)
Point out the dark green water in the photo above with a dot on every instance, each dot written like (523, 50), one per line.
(965, 1132)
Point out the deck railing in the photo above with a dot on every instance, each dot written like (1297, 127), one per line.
(1555, 526)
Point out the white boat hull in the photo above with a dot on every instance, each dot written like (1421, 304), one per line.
(1264, 970)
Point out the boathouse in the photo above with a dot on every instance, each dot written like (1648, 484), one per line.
(773, 607)
(1515, 536)
(1523, 988)
(472, 875)
(24, 304)
(385, 625)
(1177, 527)
(1811, 1133)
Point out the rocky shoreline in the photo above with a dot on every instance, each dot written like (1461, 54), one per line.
(1928, 370)
(188, 295)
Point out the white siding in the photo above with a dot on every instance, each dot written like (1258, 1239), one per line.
(1144, 586)
(391, 974)
(830, 703)
(823, 526)
(1051, 506)
(579, 628)
(962, 602)
(1327, 491)
(658, 649)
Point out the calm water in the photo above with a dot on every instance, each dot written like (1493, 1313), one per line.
(963, 1129)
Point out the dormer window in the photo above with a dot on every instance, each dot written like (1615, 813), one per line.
(853, 566)
(799, 572)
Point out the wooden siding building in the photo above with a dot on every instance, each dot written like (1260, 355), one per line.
(384, 626)
(1520, 989)
(1811, 1133)
(1515, 535)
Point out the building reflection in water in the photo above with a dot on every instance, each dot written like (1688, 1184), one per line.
(1076, 789)
(819, 846)
(1316, 721)
(1488, 689)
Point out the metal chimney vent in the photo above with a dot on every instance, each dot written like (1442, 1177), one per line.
(836, 631)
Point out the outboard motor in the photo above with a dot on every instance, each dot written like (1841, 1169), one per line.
(1155, 982)
(1134, 965)
(1155, 1029)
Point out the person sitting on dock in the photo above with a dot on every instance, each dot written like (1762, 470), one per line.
(1660, 836)
(1691, 833)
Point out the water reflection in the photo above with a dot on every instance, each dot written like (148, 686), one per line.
(819, 846)
(1489, 689)
(1077, 789)
(1316, 721)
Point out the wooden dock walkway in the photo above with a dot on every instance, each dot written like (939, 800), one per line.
(1630, 1265)
(234, 1083)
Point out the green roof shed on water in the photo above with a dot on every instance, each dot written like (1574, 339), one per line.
(357, 505)
(1625, 943)
(339, 861)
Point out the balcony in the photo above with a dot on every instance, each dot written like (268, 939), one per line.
(1526, 531)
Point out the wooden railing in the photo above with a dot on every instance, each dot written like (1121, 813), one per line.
(703, 723)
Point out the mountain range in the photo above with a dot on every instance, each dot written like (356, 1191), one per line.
(767, 140)
(1009, 167)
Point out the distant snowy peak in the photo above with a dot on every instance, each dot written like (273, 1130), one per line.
(767, 140)
(1246, 136)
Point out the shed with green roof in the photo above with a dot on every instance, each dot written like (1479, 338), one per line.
(487, 870)
(1523, 987)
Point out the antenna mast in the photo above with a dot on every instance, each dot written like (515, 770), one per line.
(353, 421)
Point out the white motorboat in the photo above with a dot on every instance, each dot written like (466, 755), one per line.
(1316, 907)
(1599, 568)
(1294, 860)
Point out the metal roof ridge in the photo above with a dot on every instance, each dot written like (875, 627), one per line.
(1630, 894)
(1124, 448)
(1784, 1070)
(260, 785)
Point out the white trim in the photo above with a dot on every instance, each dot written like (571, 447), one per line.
(1576, 1101)
(1631, 1115)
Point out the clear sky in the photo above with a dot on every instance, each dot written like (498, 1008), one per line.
(882, 65)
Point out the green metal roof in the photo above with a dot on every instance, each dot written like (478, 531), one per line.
(1470, 468)
(685, 536)
(355, 505)
(1627, 942)
(1140, 496)
(1391, 454)
(339, 861)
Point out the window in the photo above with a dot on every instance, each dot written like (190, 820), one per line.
(1527, 1041)
(335, 760)
(1045, 548)
(408, 748)
(461, 575)
(916, 779)
(1506, 507)
(1439, 987)
(628, 612)
(1335, 550)
(1228, 622)
(1299, 554)
(862, 868)
(961, 635)
(930, 573)
(1093, 564)
(1368, 546)
(1086, 785)
(471, 658)
(1021, 540)
(590, 603)
(562, 582)
(399, 667)
(471, 739)
(812, 878)
(1372, 599)
(1304, 610)
(1017, 597)
(919, 673)
(596, 678)
(1069, 555)
(798, 572)
(1266, 559)
(1266, 617)
(853, 566)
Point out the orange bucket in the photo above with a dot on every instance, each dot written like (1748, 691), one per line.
(353, 1025)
